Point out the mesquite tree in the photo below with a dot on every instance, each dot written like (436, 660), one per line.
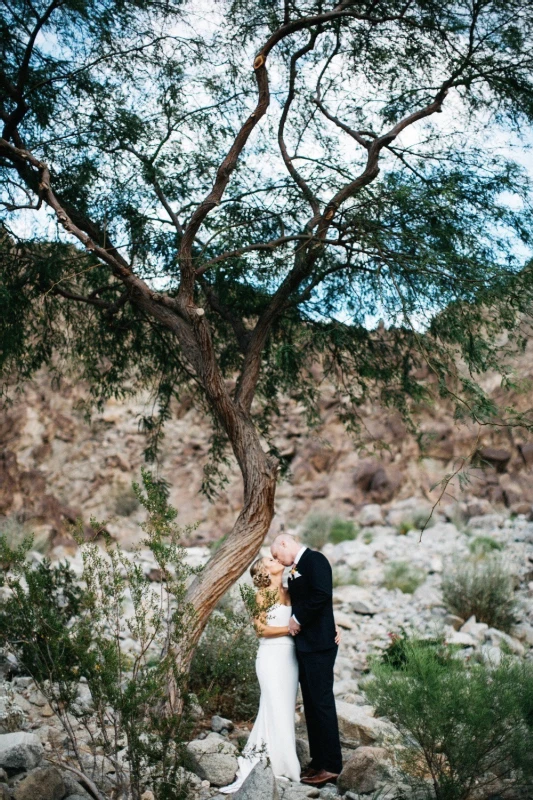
(214, 197)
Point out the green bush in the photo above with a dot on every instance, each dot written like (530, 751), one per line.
(484, 546)
(125, 502)
(223, 667)
(63, 629)
(417, 519)
(342, 530)
(404, 576)
(345, 576)
(318, 529)
(16, 532)
(481, 588)
(462, 727)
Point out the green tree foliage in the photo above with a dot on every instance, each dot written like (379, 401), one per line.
(134, 107)
(465, 727)
(65, 630)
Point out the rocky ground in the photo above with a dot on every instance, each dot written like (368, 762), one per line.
(368, 613)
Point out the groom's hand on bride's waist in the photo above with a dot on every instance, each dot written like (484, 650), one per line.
(294, 627)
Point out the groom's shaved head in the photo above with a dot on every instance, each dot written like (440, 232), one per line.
(284, 548)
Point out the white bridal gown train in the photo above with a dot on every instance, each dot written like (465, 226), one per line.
(273, 735)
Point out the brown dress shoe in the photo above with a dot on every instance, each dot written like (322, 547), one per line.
(320, 778)
(308, 772)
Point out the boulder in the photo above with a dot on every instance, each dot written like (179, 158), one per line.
(495, 457)
(219, 724)
(20, 751)
(358, 726)
(213, 759)
(73, 788)
(371, 514)
(475, 629)
(43, 783)
(358, 598)
(499, 637)
(259, 785)
(364, 770)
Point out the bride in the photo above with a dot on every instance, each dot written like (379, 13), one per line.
(273, 735)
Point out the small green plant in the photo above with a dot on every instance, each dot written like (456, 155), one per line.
(483, 546)
(345, 576)
(68, 632)
(482, 588)
(403, 576)
(318, 529)
(315, 531)
(416, 519)
(368, 537)
(342, 530)
(463, 727)
(404, 528)
(126, 501)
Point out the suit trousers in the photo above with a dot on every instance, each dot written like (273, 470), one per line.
(316, 681)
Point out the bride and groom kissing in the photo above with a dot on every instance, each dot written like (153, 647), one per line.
(298, 642)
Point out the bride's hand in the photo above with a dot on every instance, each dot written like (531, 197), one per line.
(338, 636)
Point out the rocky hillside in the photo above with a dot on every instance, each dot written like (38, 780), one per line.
(56, 466)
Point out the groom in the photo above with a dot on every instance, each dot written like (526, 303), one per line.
(313, 626)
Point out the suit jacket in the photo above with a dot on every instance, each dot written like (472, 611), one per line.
(311, 595)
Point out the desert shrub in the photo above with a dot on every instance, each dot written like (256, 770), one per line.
(463, 727)
(342, 530)
(67, 634)
(125, 501)
(315, 531)
(404, 576)
(223, 667)
(345, 576)
(16, 531)
(318, 529)
(481, 588)
(396, 654)
(484, 545)
(417, 518)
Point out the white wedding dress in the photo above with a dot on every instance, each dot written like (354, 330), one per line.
(273, 734)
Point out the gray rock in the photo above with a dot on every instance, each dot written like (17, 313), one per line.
(4, 792)
(20, 751)
(358, 726)
(371, 514)
(302, 751)
(77, 797)
(12, 716)
(364, 770)
(44, 783)
(73, 788)
(219, 724)
(259, 785)
(8, 664)
(213, 759)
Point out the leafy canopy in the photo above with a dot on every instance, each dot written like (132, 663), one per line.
(378, 183)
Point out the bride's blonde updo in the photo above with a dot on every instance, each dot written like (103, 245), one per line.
(260, 577)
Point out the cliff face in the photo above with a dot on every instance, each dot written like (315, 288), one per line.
(55, 466)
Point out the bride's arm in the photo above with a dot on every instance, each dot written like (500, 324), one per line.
(269, 631)
(263, 630)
